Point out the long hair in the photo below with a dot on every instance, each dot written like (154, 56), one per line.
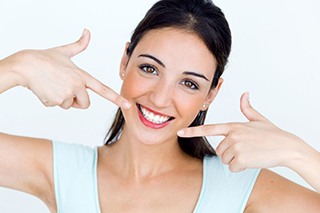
(206, 20)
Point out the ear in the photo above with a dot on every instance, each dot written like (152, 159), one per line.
(212, 94)
(124, 62)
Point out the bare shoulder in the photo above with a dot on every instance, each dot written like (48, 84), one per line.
(26, 164)
(274, 193)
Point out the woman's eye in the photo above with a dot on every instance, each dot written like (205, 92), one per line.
(190, 84)
(148, 69)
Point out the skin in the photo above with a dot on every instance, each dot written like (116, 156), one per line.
(163, 90)
(68, 81)
(140, 182)
(145, 163)
(251, 145)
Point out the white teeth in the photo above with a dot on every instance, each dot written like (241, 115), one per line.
(150, 116)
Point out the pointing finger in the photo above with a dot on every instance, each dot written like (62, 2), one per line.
(206, 130)
(106, 92)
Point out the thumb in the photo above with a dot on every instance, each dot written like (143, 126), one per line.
(249, 112)
(77, 47)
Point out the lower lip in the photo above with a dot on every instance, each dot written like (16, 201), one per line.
(150, 124)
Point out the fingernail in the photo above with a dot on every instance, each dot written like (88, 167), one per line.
(181, 132)
(247, 95)
(85, 32)
(126, 105)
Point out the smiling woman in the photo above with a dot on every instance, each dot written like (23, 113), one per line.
(196, 21)
(169, 84)
(156, 155)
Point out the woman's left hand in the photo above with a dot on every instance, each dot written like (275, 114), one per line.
(254, 144)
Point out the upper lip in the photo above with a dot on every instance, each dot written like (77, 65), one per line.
(155, 112)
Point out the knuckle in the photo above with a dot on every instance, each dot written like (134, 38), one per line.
(232, 137)
(81, 44)
(232, 168)
(58, 101)
(240, 161)
(86, 105)
(68, 93)
(237, 147)
(65, 107)
(118, 98)
(45, 102)
(79, 84)
(234, 125)
(218, 151)
(225, 158)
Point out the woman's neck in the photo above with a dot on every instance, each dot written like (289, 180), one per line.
(139, 160)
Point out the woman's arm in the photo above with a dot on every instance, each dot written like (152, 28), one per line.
(54, 78)
(26, 163)
(8, 77)
(260, 144)
(273, 193)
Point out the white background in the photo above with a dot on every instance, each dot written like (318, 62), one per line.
(275, 56)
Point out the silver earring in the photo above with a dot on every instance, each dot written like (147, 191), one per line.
(122, 74)
(205, 105)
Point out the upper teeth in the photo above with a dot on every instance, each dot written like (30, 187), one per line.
(150, 116)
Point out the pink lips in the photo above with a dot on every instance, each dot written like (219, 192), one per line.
(149, 123)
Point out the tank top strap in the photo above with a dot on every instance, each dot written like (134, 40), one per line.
(75, 178)
(222, 190)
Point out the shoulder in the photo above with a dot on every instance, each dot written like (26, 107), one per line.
(222, 187)
(76, 150)
(69, 157)
(214, 167)
(282, 195)
(75, 168)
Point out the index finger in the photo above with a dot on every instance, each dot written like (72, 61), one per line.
(206, 130)
(106, 92)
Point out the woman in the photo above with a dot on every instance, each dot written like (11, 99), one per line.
(171, 72)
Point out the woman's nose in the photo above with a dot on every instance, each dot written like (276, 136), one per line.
(162, 94)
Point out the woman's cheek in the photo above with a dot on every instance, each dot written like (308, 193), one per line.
(188, 105)
(133, 86)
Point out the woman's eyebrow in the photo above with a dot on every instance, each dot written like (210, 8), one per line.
(153, 58)
(162, 64)
(195, 74)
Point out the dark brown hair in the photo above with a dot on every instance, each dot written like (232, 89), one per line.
(206, 20)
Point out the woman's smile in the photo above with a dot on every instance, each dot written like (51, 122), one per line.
(153, 119)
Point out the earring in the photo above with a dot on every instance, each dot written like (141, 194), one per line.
(122, 74)
(205, 105)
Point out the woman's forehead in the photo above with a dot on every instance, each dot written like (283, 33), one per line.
(176, 46)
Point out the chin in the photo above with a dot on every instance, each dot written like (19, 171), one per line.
(153, 139)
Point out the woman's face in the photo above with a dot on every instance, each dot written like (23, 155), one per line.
(167, 79)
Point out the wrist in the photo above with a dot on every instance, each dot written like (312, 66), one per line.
(18, 67)
(8, 78)
(301, 155)
(11, 69)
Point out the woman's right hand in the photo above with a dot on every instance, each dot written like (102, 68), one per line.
(56, 80)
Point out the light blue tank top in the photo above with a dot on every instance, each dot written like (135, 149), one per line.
(76, 188)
